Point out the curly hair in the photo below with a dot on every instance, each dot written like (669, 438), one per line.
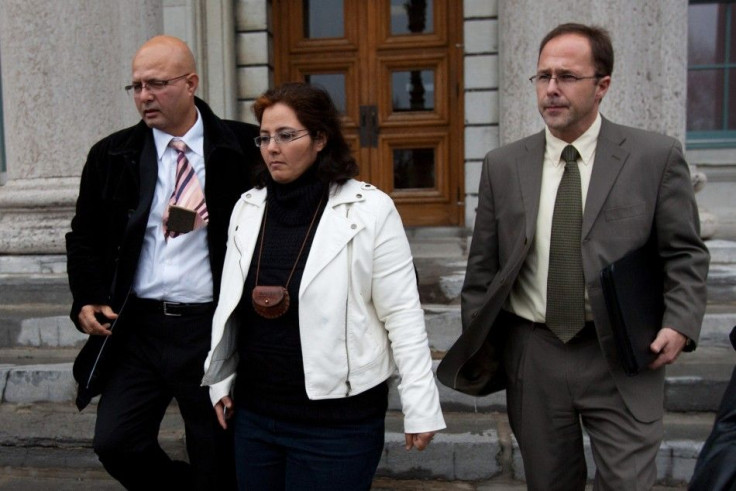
(315, 110)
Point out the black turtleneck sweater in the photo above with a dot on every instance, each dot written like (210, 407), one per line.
(270, 377)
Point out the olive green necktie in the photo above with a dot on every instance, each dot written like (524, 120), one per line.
(565, 280)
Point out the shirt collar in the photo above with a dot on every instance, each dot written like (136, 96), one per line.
(194, 138)
(585, 143)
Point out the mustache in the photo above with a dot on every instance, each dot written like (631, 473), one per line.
(557, 102)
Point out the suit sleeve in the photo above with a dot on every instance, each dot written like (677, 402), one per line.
(684, 255)
(483, 255)
(86, 242)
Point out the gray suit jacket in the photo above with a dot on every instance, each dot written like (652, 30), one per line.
(640, 188)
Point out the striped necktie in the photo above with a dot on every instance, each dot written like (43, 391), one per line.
(187, 209)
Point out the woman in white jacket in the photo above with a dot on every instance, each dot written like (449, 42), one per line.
(318, 307)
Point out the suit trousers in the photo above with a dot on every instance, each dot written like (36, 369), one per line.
(556, 389)
(161, 358)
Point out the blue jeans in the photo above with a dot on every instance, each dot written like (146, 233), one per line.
(271, 454)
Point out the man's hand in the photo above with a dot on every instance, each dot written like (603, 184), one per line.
(668, 344)
(88, 319)
(418, 440)
(224, 411)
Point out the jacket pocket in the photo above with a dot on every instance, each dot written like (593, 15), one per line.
(623, 212)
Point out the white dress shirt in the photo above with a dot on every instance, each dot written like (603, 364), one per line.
(177, 270)
(528, 298)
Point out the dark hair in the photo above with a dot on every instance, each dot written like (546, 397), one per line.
(599, 39)
(316, 111)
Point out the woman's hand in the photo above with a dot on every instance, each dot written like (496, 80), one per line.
(418, 440)
(224, 411)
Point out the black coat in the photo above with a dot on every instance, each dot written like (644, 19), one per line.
(116, 191)
(715, 469)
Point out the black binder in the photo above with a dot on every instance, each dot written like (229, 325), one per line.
(632, 288)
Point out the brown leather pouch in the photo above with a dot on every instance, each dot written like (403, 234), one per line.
(270, 301)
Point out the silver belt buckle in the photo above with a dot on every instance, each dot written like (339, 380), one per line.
(166, 309)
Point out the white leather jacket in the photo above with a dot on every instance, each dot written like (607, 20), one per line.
(359, 317)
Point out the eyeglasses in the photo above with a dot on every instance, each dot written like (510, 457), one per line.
(564, 79)
(283, 136)
(152, 85)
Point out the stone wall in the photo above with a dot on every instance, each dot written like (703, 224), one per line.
(648, 87)
(64, 65)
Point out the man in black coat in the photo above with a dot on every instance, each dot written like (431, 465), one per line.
(145, 276)
(715, 469)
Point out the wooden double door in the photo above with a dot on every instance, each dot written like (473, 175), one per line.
(394, 70)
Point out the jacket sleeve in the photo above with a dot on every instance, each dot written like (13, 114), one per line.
(483, 255)
(684, 255)
(396, 299)
(89, 278)
(220, 365)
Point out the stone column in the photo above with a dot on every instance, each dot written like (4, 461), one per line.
(64, 65)
(208, 27)
(649, 82)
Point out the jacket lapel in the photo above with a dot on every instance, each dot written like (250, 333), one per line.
(529, 166)
(246, 238)
(149, 174)
(335, 230)
(609, 158)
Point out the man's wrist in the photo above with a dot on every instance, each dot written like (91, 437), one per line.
(689, 344)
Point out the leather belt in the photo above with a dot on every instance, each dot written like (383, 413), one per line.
(171, 309)
(586, 331)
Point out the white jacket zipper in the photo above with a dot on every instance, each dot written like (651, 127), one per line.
(347, 305)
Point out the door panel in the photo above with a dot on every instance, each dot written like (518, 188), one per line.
(412, 91)
(394, 70)
(339, 77)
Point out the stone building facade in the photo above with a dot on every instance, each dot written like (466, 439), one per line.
(63, 66)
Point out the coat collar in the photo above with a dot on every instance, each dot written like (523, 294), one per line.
(529, 165)
(337, 226)
(216, 135)
(610, 157)
(350, 192)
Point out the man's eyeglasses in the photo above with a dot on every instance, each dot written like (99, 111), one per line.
(564, 79)
(152, 85)
(283, 136)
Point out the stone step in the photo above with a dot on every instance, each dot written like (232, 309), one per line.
(28, 290)
(444, 325)
(440, 275)
(722, 251)
(38, 328)
(33, 264)
(448, 243)
(696, 382)
(440, 259)
(441, 281)
(477, 448)
(28, 329)
(722, 284)
(441, 267)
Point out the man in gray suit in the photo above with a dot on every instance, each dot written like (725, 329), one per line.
(534, 317)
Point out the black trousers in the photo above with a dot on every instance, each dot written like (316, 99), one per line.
(161, 358)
